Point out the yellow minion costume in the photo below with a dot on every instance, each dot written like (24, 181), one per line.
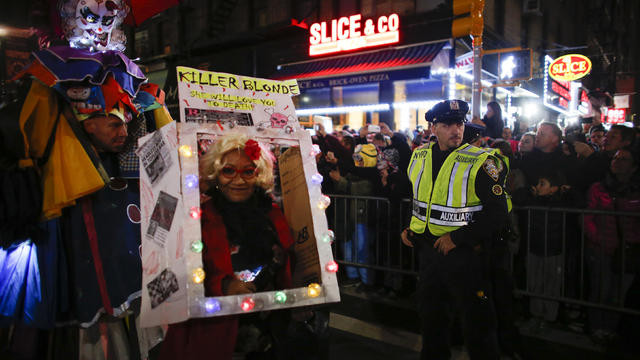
(365, 155)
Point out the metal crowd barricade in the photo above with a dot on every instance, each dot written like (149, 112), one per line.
(383, 221)
(382, 250)
(575, 286)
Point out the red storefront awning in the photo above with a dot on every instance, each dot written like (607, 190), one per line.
(361, 62)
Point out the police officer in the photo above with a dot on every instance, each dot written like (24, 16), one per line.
(458, 204)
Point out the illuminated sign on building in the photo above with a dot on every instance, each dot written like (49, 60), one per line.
(570, 67)
(465, 62)
(350, 33)
(560, 94)
(616, 116)
(584, 103)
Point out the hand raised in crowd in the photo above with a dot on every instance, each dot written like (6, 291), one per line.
(320, 130)
(236, 287)
(335, 174)
(385, 130)
(405, 237)
(444, 244)
(331, 158)
(583, 150)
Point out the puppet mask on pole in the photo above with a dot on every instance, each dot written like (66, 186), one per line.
(93, 24)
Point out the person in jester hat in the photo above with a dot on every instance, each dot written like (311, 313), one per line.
(80, 121)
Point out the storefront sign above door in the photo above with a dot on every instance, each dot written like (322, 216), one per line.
(359, 79)
(351, 33)
(570, 67)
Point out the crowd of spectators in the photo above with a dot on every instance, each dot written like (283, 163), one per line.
(582, 166)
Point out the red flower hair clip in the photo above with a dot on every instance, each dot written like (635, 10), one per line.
(252, 149)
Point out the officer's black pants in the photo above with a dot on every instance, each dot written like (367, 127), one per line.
(502, 290)
(455, 283)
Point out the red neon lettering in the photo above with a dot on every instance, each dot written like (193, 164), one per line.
(314, 29)
(334, 29)
(323, 32)
(394, 22)
(354, 25)
(349, 33)
(560, 90)
(382, 24)
(342, 32)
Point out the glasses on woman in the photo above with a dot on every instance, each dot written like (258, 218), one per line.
(230, 172)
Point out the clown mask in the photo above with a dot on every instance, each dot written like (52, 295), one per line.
(97, 19)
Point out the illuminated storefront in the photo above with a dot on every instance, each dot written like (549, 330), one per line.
(358, 82)
(350, 78)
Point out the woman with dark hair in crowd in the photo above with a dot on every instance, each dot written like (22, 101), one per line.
(492, 120)
(526, 144)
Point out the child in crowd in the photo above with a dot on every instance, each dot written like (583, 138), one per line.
(546, 248)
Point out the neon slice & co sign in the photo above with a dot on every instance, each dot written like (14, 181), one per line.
(349, 33)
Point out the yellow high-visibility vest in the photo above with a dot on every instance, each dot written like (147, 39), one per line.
(451, 202)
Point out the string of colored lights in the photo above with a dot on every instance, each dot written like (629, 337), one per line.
(207, 306)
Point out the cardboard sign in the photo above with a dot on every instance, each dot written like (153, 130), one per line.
(214, 105)
(298, 213)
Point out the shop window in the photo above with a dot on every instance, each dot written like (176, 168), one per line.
(352, 95)
(423, 90)
(314, 98)
(407, 115)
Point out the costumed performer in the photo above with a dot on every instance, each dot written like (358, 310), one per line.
(80, 122)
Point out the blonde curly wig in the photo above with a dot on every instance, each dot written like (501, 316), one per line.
(211, 162)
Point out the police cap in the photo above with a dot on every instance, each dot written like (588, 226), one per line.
(448, 111)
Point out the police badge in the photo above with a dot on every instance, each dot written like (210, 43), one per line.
(491, 169)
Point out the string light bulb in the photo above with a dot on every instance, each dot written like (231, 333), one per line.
(332, 266)
(186, 151)
(247, 304)
(195, 212)
(212, 306)
(315, 150)
(280, 297)
(314, 290)
(198, 275)
(197, 246)
(324, 202)
(316, 179)
(191, 181)
(328, 237)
